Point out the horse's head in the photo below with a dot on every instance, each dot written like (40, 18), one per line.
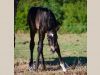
(52, 39)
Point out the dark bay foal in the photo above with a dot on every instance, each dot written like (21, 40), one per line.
(42, 20)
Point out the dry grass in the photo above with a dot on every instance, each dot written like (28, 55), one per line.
(21, 68)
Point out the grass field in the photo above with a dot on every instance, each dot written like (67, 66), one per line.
(73, 50)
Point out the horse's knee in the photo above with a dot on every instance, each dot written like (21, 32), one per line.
(32, 44)
(40, 47)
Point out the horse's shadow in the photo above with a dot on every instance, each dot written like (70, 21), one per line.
(69, 61)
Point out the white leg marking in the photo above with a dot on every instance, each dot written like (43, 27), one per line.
(51, 34)
(30, 69)
(63, 66)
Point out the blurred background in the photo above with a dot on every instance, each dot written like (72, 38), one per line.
(71, 14)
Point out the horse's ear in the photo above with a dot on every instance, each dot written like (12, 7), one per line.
(57, 28)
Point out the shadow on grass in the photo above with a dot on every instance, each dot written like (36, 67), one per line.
(69, 61)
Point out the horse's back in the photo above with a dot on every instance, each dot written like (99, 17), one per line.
(41, 18)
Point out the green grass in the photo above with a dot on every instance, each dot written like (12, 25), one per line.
(74, 45)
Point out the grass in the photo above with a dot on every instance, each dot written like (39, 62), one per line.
(73, 48)
(70, 45)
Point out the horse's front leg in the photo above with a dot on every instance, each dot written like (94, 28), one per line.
(42, 61)
(40, 50)
(60, 58)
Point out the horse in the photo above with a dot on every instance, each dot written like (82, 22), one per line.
(42, 21)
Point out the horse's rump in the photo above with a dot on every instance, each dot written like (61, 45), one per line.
(41, 18)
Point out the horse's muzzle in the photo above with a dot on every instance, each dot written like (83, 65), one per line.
(52, 49)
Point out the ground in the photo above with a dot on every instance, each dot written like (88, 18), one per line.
(73, 50)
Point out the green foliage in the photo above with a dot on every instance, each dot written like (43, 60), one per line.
(71, 14)
(75, 17)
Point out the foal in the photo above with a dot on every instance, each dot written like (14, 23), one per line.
(42, 20)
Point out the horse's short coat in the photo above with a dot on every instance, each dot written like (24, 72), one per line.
(42, 20)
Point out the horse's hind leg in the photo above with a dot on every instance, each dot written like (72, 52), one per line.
(32, 44)
(40, 50)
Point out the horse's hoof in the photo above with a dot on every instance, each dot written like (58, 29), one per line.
(43, 69)
(64, 66)
(32, 67)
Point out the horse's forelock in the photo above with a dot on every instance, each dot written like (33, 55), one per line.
(51, 34)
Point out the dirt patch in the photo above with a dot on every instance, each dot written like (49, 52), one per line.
(21, 68)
